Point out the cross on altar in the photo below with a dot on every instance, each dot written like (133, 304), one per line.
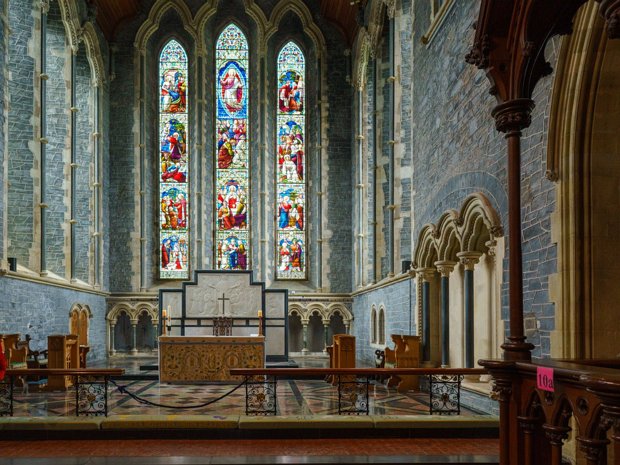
(223, 299)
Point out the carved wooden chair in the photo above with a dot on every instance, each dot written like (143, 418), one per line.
(222, 326)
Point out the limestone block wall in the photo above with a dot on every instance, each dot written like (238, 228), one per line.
(20, 162)
(40, 310)
(451, 150)
(32, 303)
(398, 300)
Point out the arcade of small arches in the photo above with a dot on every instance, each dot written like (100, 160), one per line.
(132, 327)
(458, 266)
(312, 326)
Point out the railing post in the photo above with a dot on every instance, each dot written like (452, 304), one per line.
(528, 425)
(6, 396)
(594, 449)
(556, 435)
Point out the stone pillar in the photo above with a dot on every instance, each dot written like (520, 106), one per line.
(134, 337)
(304, 324)
(155, 331)
(426, 274)
(43, 139)
(112, 350)
(347, 327)
(326, 330)
(469, 260)
(445, 267)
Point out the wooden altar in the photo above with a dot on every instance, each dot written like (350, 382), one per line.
(196, 359)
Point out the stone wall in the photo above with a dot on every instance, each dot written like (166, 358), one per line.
(56, 156)
(20, 139)
(40, 310)
(453, 150)
(398, 300)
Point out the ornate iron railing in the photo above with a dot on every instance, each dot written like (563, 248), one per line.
(91, 388)
(353, 386)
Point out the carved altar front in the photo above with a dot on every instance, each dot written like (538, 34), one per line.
(195, 359)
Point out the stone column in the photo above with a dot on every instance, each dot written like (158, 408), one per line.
(134, 337)
(445, 267)
(304, 324)
(426, 274)
(326, 330)
(112, 350)
(155, 331)
(347, 327)
(469, 260)
(43, 139)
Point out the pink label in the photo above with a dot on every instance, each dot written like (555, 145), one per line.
(544, 379)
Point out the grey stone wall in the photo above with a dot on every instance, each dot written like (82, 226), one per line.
(20, 138)
(57, 119)
(3, 133)
(451, 141)
(399, 303)
(122, 170)
(40, 310)
(26, 307)
(83, 172)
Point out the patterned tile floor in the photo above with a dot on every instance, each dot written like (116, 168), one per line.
(294, 397)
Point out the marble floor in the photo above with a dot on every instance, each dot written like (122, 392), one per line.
(294, 396)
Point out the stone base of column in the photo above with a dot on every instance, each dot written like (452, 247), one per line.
(133, 351)
(304, 351)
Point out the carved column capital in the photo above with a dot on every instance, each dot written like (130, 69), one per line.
(502, 390)
(593, 449)
(445, 267)
(610, 10)
(45, 6)
(513, 115)
(425, 274)
(469, 259)
(556, 434)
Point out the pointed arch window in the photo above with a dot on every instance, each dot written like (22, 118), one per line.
(232, 241)
(291, 148)
(174, 163)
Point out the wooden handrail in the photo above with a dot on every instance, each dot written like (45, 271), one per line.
(65, 371)
(357, 371)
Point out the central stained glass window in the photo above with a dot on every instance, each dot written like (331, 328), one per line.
(291, 172)
(173, 171)
(232, 236)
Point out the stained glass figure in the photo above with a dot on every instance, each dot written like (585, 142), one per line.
(174, 163)
(290, 146)
(232, 245)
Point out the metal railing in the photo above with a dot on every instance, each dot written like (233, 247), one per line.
(353, 386)
(91, 387)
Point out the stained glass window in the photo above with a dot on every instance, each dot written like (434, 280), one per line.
(291, 183)
(173, 171)
(232, 241)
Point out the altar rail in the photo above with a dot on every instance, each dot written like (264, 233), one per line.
(535, 423)
(91, 387)
(353, 383)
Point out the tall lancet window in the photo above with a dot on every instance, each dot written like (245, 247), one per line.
(232, 242)
(174, 163)
(291, 183)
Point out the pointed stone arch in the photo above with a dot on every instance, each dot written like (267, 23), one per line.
(157, 12)
(426, 253)
(93, 54)
(303, 13)
(477, 213)
(71, 20)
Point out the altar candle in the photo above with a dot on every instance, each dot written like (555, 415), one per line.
(260, 313)
(163, 313)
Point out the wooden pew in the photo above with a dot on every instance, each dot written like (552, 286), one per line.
(406, 354)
